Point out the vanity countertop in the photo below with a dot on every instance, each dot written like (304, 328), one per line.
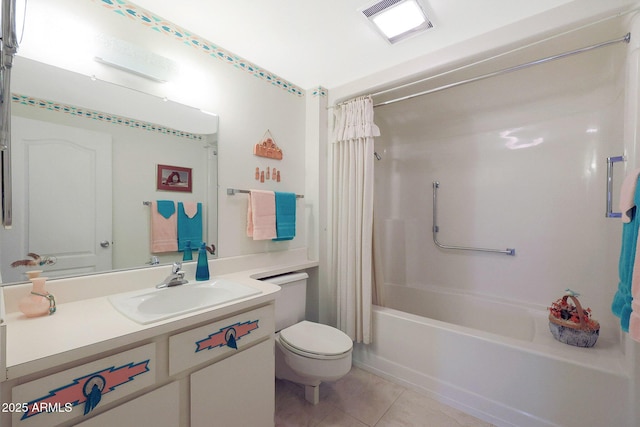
(87, 325)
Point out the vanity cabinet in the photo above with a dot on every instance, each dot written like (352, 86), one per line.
(217, 373)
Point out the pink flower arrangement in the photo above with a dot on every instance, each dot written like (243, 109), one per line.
(563, 310)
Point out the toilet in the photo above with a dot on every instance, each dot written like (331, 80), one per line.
(307, 353)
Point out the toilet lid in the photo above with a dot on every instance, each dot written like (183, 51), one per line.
(309, 338)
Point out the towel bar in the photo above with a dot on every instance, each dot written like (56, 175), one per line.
(435, 229)
(610, 161)
(233, 191)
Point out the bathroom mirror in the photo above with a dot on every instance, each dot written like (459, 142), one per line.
(55, 112)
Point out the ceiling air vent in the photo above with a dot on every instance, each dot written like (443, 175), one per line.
(397, 19)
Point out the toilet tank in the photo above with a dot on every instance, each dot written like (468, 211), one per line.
(291, 301)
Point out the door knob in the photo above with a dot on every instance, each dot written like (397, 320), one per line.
(104, 243)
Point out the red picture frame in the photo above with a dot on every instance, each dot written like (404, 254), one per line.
(174, 178)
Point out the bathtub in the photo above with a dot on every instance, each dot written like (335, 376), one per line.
(496, 360)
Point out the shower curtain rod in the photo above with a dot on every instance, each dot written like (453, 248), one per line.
(626, 38)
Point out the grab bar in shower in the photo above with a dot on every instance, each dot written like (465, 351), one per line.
(610, 161)
(435, 229)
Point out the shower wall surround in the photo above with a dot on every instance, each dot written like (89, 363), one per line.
(521, 163)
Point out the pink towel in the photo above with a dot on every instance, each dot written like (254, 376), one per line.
(634, 320)
(164, 231)
(261, 215)
(627, 193)
(190, 209)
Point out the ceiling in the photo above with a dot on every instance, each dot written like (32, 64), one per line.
(328, 42)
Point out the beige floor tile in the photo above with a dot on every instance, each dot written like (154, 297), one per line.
(361, 399)
(339, 418)
(292, 410)
(416, 410)
(361, 395)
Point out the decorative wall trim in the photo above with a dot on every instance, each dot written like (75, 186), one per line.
(170, 29)
(100, 116)
(320, 91)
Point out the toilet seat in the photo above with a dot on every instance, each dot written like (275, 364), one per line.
(316, 341)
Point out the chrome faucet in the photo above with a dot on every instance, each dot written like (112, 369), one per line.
(175, 278)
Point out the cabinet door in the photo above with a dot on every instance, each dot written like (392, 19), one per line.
(237, 391)
(159, 408)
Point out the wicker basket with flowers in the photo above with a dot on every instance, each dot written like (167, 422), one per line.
(571, 324)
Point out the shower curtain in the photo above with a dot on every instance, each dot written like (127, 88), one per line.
(352, 216)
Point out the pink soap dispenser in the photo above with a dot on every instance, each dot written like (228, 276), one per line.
(39, 302)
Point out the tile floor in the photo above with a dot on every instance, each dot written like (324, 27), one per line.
(361, 399)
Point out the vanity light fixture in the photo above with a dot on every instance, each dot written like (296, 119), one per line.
(397, 19)
(133, 59)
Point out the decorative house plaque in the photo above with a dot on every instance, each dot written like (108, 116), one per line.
(268, 148)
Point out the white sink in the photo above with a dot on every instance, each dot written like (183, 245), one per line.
(149, 306)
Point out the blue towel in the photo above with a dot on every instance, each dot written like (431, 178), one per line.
(189, 229)
(621, 305)
(285, 216)
(166, 208)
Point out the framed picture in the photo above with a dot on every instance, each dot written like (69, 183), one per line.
(174, 178)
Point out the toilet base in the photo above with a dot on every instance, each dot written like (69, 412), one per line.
(312, 394)
(311, 388)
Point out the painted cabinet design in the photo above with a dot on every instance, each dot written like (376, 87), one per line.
(219, 339)
(158, 408)
(76, 392)
(228, 335)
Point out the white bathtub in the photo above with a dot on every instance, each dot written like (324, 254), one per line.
(496, 360)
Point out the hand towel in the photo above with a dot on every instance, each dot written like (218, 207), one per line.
(621, 305)
(285, 216)
(189, 225)
(163, 226)
(261, 215)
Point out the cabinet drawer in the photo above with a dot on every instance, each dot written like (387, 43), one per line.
(76, 392)
(219, 339)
